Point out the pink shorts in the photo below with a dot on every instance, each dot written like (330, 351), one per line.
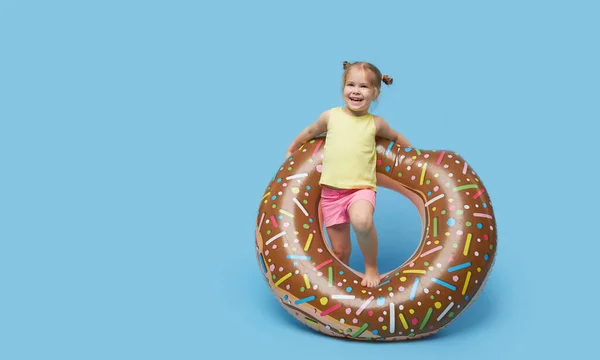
(336, 202)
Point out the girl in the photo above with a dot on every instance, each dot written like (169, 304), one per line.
(348, 177)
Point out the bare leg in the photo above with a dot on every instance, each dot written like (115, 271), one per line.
(340, 241)
(361, 218)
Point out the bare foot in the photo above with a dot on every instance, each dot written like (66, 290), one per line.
(371, 278)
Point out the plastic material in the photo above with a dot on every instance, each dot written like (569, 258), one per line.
(425, 293)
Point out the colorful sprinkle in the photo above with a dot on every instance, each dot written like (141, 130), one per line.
(427, 293)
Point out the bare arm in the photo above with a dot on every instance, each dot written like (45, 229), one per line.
(384, 130)
(309, 132)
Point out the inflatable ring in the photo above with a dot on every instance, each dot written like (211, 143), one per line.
(423, 295)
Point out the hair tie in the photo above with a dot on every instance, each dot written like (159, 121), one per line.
(387, 80)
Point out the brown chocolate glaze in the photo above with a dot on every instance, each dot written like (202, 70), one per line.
(424, 294)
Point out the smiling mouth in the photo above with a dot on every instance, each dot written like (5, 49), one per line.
(355, 99)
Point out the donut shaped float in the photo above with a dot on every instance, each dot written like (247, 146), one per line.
(423, 295)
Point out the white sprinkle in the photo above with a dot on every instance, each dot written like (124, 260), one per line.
(445, 311)
(296, 176)
(300, 206)
(434, 199)
(392, 318)
(275, 237)
(343, 297)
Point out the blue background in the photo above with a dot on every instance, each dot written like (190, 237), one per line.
(137, 138)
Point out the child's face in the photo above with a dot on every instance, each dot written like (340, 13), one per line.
(359, 91)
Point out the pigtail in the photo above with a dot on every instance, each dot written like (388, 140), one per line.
(365, 65)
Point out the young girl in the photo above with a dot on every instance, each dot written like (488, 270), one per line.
(348, 178)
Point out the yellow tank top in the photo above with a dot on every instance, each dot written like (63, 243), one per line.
(349, 155)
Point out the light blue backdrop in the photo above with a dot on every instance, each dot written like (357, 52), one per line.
(137, 138)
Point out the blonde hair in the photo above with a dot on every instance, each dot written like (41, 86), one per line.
(379, 78)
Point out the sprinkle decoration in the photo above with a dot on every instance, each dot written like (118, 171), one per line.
(419, 298)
